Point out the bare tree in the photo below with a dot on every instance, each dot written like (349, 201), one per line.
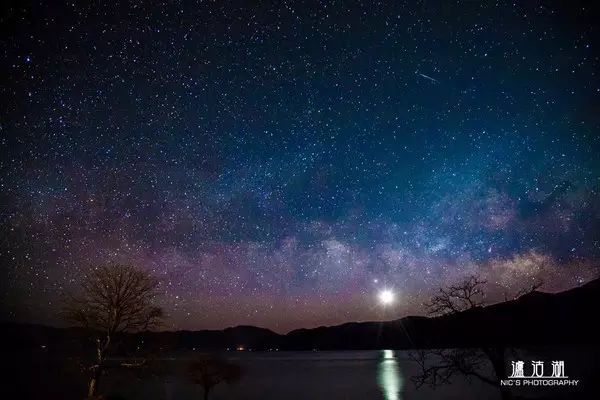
(113, 299)
(438, 366)
(466, 295)
(209, 372)
(528, 289)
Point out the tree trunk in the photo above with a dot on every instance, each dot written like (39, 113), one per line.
(97, 369)
(206, 391)
(93, 386)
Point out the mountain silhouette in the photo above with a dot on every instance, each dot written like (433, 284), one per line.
(536, 318)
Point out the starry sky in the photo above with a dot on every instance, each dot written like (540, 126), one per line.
(279, 163)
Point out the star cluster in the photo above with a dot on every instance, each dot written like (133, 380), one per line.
(281, 163)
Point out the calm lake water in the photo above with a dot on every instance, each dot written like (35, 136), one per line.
(307, 375)
(323, 375)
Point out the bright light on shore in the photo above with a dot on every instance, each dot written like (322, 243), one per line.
(386, 297)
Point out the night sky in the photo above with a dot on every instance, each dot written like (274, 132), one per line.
(278, 164)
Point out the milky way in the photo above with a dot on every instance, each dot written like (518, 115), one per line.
(280, 164)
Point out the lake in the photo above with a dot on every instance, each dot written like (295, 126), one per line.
(320, 375)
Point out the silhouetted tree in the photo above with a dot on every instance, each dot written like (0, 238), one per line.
(113, 299)
(466, 295)
(521, 292)
(209, 372)
(438, 366)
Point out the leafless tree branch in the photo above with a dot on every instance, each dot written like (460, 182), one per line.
(113, 299)
(463, 296)
(209, 372)
(437, 367)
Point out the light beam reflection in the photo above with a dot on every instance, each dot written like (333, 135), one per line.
(388, 376)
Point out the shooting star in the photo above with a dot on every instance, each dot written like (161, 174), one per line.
(428, 77)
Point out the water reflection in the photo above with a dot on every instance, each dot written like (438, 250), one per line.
(388, 376)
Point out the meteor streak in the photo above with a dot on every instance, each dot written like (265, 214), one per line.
(428, 77)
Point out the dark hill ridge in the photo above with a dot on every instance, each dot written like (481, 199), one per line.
(537, 318)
